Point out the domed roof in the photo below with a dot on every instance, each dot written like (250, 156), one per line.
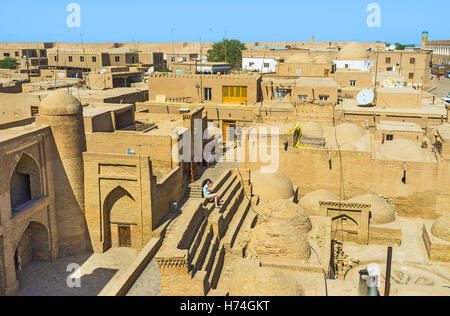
(312, 129)
(402, 149)
(272, 186)
(322, 59)
(349, 133)
(278, 239)
(249, 279)
(381, 211)
(285, 210)
(441, 228)
(300, 59)
(60, 103)
(353, 51)
(311, 200)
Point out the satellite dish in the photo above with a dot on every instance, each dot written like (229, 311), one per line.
(365, 97)
(392, 47)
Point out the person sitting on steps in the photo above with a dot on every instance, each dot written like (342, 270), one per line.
(208, 192)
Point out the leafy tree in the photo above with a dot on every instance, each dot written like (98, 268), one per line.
(229, 51)
(8, 63)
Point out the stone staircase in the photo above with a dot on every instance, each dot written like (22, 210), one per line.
(211, 234)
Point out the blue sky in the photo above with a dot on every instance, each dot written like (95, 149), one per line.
(247, 20)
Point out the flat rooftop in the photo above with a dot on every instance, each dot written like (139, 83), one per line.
(109, 93)
(398, 127)
(444, 131)
(351, 105)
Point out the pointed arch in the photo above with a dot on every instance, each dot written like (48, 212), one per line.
(119, 209)
(25, 182)
(33, 245)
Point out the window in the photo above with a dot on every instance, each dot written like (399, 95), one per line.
(389, 69)
(388, 60)
(94, 59)
(173, 59)
(6, 54)
(70, 59)
(411, 75)
(352, 83)
(34, 110)
(82, 59)
(389, 138)
(412, 61)
(346, 66)
(251, 64)
(117, 59)
(266, 65)
(299, 71)
(281, 94)
(208, 94)
(303, 98)
(324, 97)
(16, 54)
(184, 59)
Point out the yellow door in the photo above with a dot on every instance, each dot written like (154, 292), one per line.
(228, 131)
(234, 95)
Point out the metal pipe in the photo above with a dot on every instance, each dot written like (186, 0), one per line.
(387, 285)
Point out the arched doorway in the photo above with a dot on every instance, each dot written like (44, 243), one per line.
(33, 247)
(120, 219)
(25, 183)
(344, 228)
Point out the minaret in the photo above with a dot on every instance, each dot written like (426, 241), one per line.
(64, 114)
(424, 39)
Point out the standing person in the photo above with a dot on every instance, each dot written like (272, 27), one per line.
(207, 192)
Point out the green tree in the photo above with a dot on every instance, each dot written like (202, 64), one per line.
(8, 63)
(229, 51)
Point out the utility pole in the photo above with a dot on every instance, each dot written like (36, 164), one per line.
(376, 79)
(28, 64)
(387, 283)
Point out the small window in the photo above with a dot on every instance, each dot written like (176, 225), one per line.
(389, 138)
(251, 64)
(352, 83)
(184, 59)
(388, 60)
(6, 54)
(173, 59)
(208, 94)
(411, 75)
(117, 59)
(303, 98)
(70, 59)
(94, 59)
(82, 59)
(16, 54)
(412, 61)
(266, 65)
(34, 110)
(346, 66)
(299, 71)
(389, 69)
(324, 97)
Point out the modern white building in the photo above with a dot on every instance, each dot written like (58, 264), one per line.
(354, 56)
(261, 64)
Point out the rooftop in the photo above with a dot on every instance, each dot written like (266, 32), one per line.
(398, 126)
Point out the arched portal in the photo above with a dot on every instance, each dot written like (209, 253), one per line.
(33, 246)
(344, 228)
(25, 183)
(120, 219)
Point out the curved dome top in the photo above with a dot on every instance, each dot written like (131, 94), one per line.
(402, 149)
(272, 186)
(60, 103)
(441, 228)
(349, 133)
(278, 239)
(311, 200)
(322, 59)
(382, 212)
(249, 279)
(288, 211)
(312, 129)
(300, 59)
(353, 51)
